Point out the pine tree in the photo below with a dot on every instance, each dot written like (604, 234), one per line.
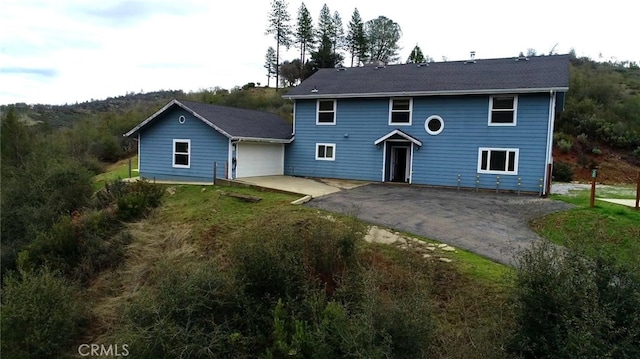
(416, 57)
(280, 28)
(356, 41)
(270, 63)
(338, 34)
(304, 36)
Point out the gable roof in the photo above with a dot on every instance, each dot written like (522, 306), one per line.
(398, 134)
(505, 75)
(234, 123)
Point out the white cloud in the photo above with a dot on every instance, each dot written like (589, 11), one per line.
(69, 50)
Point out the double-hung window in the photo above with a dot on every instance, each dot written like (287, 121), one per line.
(326, 112)
(503, 110)
(498, 160)
(182, 153)
(400, 112)
(325, 151)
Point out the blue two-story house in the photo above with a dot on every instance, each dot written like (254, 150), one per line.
(481, 123)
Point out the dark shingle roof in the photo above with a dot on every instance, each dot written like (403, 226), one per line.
(235, 123)
(540, 73)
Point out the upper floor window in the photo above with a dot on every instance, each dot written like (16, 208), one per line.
(503, 110)
(326, 112)
(181, 153)
(400, 113)
(498, 160)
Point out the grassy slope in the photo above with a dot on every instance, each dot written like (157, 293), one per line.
(612, 228)
(196, 223)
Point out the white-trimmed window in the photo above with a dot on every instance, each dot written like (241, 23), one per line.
(498, 160)
(326, 114)
(400, 111)
(182, 153)
(326, 151)
(434, 125)
(503, 110)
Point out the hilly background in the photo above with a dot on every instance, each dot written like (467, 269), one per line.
(599, 127)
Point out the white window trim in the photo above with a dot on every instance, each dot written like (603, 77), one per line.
(318, 113)
(426, 125)
(410, 111)
(173, 157)
(489, 149)
(515, 110)
(326, 145)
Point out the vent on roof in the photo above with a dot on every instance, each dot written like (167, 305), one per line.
(314, 90)
(423, 64)
(521, 57)
(341, 69)
(472, 58)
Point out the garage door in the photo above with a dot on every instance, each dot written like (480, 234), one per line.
(259, 159)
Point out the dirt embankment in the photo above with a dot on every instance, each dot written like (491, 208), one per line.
(613, 168)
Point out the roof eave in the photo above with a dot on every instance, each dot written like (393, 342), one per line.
(261, 139)
(426, 93)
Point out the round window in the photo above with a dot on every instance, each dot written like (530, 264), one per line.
(181, 119)
(434, 125)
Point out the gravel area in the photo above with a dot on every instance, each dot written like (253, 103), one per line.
(492, 225)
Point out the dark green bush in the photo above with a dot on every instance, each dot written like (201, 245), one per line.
(131, 199)
(42, 315)
(562, 172)
(573, 306)
(190, 313)
(78, 246)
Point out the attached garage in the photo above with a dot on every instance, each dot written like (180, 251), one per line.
(184, 140)
(259, 159)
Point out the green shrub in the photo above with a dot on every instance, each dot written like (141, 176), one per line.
(188, 313)
(57, 249)
(583, 139)
(565, 145)
(571, 306)
(78, 246)
(562, 172)
(131, 199)
(596, 151)
(42, 315)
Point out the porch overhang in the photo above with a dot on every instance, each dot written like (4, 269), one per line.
(398, 133)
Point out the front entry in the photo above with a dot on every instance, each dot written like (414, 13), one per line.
(398, 168)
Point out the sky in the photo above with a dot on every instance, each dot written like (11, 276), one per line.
(68, 51)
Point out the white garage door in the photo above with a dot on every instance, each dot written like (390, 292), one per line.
(259, 159)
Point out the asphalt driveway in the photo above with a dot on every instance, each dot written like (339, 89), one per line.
(492, 225)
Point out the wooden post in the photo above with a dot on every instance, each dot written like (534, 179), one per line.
(215, 165)
(129, 167)
(592, 199)
(638, 193)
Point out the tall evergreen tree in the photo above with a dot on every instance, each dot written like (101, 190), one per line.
(280, 28)
(324, 57)
(416, 56)
(270, 63)
(304, 36)
(325, 24)
(356, 41)
(383, 35)
(338, 33)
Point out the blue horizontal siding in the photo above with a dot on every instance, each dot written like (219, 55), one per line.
(156, 148)
(359, 122)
